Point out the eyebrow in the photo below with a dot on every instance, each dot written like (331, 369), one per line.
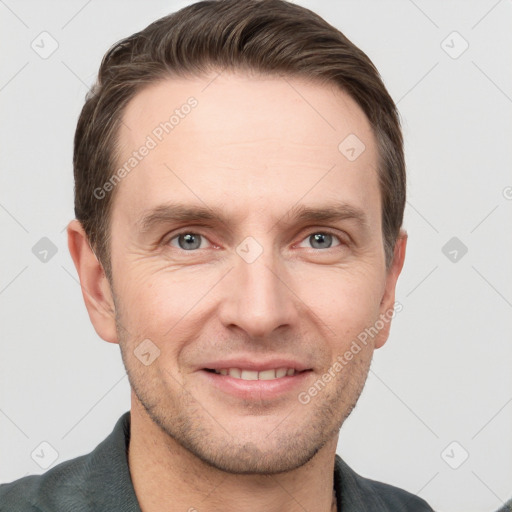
(174, 212)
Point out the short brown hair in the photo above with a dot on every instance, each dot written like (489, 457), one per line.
(271, 37)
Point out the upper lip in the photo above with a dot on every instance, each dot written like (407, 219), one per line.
(253, 364)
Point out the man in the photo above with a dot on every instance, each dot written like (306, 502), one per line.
(239, 196)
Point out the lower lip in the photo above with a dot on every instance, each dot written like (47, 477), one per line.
(256, 389)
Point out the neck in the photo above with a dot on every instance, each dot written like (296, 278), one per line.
(166, 476)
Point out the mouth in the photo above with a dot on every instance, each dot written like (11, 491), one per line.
(255, 385)
(246, 374)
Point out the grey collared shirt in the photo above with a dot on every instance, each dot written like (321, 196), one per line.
(507, 507)
(101, 481)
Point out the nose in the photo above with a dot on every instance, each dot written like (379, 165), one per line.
(257, 296)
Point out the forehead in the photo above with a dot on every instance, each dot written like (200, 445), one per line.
(251, 143)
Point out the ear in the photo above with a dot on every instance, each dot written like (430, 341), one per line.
(94, 283)
(387, 305)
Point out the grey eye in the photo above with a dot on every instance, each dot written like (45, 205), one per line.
(188, 241)
(321, 240)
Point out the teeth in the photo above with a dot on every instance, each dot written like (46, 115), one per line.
(267, 375)
(249, 375)
(280, 372)
(275, 373)
(235, 372)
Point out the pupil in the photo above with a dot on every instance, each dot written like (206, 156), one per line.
(319, 238)
(191, 241)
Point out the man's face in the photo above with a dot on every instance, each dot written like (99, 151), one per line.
(262, 289)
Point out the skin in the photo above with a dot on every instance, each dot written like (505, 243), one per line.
(255, 148)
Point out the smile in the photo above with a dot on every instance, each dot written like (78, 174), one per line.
(270, 374)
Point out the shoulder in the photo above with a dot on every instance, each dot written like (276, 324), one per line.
(57, 489)
(396, 499)
(360, 493)
(507, 507)
(99, 480)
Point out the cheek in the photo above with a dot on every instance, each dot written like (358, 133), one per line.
(161, 304)
(156, 310)
(345, 299)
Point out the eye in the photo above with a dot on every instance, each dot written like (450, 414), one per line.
(323, 240)
(190, 241)
(187, 241)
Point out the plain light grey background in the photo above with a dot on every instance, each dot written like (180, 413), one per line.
(436, 415)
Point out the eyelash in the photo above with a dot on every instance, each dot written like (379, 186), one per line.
(323, 232)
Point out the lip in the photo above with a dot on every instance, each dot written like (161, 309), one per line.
(255, 389)
(249, 363)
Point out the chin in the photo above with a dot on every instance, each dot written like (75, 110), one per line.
(252, 459)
